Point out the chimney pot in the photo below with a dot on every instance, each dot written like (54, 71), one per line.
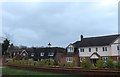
(81, 37)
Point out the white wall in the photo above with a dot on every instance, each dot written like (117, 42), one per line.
(111, 50)
(69, 48)
(100, 51)
(114, 50)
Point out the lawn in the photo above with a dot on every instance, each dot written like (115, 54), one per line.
(11, 72)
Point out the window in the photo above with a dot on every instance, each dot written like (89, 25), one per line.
(14, 54)
(81, 50)
(42, 54)
(104, 48)
(105, 59)
(96, 49)
(69, 59)
(81, 59)
(23, 54)
(32, 54)
(89, 49)
(70, 49)
(118, 47)
(50, 54)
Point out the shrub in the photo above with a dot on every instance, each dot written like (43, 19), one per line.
(15, 62)
(10, 61)
(30, 62)
(42, 62)
(23, 61)
(49, 62)
(117, 65)
(55, 62)
(71, 64)
(93, 66)
(100, 63)
(86, 63)
(110, 63)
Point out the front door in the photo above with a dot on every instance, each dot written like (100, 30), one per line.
(93, 61)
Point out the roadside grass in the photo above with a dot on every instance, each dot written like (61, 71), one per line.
(12, 71)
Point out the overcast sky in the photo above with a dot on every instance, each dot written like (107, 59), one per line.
(60, 23)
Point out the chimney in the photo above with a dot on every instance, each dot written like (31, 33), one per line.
(81, 37)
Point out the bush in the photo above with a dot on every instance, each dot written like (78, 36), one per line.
(86, 63)
(109, 63)
(117, 65)
(69, 64)
(23, 61)
(42, 62)
(49, 62)
(15, 62)
(30, 62)
(10, 61)
(100, 63)
(93, 66)
(55, 62)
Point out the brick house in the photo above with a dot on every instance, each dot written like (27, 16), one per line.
(70, 56)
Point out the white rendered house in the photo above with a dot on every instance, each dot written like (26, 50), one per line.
(96, 47)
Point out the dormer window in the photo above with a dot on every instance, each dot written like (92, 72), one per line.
(23, 54)
(50, 54)
(70, 49)
(32, 54)
(42, 54)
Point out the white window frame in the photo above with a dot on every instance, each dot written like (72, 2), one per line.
(42, 54)
(81, 49)
(14, 53)
(81, 59)
(89, 49)
(70, 49)
(32, 54)
(118, 47)
(51, 54)
(104, 49)
(69, 59)
(24, 54)
(96, 49)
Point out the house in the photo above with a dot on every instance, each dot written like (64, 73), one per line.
(48, 52)
(37, 53)
(95, 47)
(71, 56)
(19, 54)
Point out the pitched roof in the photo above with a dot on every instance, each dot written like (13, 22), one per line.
(52, 49)
(96, 41)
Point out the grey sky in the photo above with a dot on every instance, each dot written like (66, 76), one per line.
(61, 23)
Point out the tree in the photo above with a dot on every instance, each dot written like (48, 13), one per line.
(5, 45)
(100, 63)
